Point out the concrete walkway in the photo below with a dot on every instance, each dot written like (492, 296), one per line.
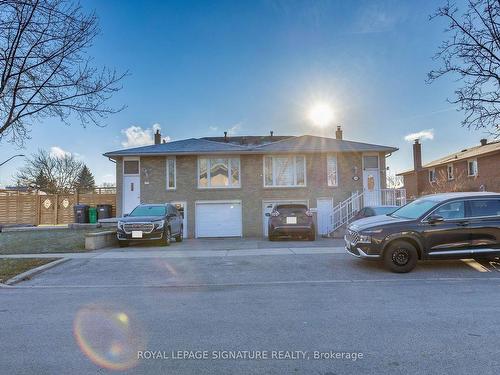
(168, 253)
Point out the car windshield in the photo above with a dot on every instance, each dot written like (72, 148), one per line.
(384, 210)
(148, 211)
(414, 209)
(291, 209)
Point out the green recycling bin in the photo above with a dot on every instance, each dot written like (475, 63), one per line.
(92, 215)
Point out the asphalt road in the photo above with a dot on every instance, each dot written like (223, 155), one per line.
(88, 316)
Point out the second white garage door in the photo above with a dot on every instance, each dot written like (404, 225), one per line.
(218, 219)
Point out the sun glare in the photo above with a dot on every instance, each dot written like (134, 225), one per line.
(321, 114)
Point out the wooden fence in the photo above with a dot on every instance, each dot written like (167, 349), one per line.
(33, 207)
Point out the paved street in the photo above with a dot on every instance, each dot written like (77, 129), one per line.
(90, 315)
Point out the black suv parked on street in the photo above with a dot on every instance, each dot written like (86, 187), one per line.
(440, 226)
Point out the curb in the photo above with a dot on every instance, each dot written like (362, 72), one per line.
(34, 271)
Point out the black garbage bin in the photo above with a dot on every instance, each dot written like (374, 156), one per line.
(81, 212)
(104, 211)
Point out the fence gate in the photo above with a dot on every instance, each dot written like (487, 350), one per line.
(47, 211)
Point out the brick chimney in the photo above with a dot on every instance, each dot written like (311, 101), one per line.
(417, 155)
(484, 142)
(157, 137)
(338, 133)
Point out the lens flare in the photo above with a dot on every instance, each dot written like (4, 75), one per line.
(108, 336)
(321, 114)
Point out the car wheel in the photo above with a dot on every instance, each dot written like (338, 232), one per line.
(180, 236)
(401, 257)
(123, 243)
(166, 237)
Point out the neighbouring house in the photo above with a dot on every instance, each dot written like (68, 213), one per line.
(471, 169)
(224, 186)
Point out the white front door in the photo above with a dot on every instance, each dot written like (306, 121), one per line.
(267, 208)
(131, 193)
(182, 208)
(218, 219)
(324, 210)
(371, 180)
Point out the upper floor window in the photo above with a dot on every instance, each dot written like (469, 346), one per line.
(450, 172)
(219, 172)
(171, 173)
(472, 167)
(432, 175)
(284, 171)
(131, 167)
(331, 170)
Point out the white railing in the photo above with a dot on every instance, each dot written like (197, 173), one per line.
(344, 212)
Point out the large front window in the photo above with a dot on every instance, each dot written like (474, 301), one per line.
(218, 172)
(283, 171)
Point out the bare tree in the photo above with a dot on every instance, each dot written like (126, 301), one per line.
(51, 174)
(441, 183)
(44, 69)
(472, 54)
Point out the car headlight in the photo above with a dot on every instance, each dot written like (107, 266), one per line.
(363, 238)
(159, 224)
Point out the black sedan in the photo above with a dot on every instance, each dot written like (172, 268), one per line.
(374, 211)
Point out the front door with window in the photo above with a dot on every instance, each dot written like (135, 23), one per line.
(371, 180)
(131, 185)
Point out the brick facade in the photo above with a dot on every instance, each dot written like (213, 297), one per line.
(488, 177)
(252, 191)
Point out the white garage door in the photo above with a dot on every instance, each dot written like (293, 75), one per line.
(218, 219)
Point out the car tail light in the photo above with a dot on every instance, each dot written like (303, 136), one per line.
(309, 213)
(275, 213)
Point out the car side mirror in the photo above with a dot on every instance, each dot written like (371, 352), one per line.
(268, 214)
(125, 215)
(434, 219)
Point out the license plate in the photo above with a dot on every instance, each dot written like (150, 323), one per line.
(291, 220)
(137, 234)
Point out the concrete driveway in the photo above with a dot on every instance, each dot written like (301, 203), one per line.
(93, 315)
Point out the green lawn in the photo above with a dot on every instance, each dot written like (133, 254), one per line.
(44, 241)
(12, 267)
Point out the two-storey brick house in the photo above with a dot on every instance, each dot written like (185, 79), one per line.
(225, 185)
(470, 169)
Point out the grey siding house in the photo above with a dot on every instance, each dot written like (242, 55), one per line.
(224, 186)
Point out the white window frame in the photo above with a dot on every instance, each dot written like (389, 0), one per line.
(229, 171)
(449, 168)
(433, 171)
(476, 171)
(138, 168)
(328, 156)
(173, 158)
(294, 185)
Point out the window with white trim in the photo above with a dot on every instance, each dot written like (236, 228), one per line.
(219, 173)
(472, 167)
(284, 171)
(171, 173)
(450, 172)
(432, 175)
(131, 167)
(331, 170)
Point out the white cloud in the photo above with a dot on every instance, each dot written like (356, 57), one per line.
(213, 128)
(58, 152)
(234, 129)
(422, 135)
(137, 136)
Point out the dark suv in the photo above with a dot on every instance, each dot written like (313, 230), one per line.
(440, 226)
(291, 220)
(150, 222)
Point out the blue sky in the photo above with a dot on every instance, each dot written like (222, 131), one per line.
(198, 68)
